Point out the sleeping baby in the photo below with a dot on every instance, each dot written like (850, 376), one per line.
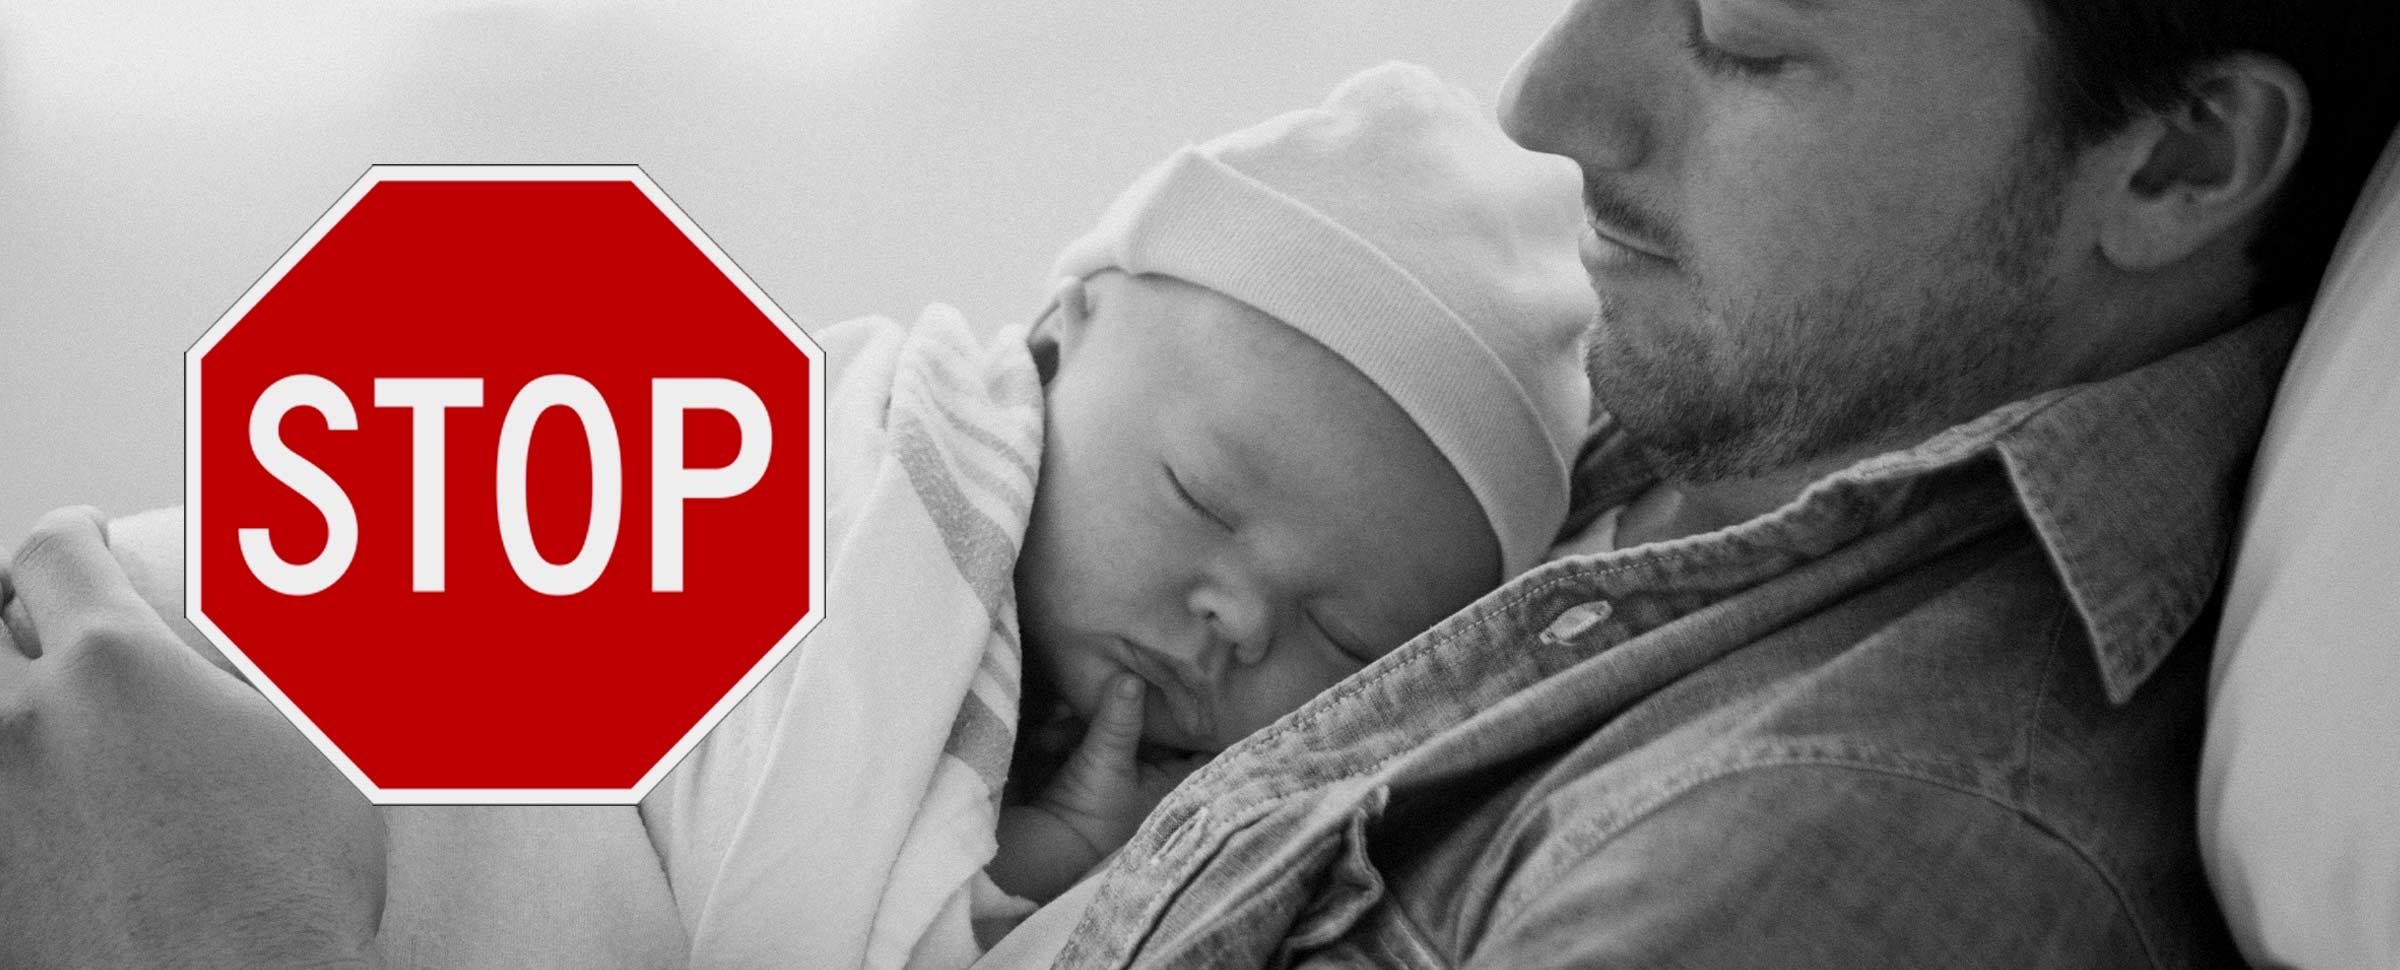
(1311, 387)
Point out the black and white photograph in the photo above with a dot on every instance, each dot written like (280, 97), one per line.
(933, 485)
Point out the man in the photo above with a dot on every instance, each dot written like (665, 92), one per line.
(1948, 326)
(1867, 679)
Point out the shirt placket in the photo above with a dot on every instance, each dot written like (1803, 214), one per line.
(1224, 868)
(1309, 809)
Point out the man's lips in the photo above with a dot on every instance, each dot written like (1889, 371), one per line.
(1610, 263)
(1604, 239)
(1619, 235)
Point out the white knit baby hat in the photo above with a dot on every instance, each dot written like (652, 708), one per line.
(1397, 226)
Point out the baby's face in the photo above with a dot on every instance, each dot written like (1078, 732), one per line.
(1233, 514)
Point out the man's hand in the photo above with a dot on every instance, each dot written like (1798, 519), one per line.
(155, 811)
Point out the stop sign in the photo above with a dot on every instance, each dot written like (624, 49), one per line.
(504, 484)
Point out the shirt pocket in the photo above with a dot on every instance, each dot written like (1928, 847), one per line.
(1351, 920)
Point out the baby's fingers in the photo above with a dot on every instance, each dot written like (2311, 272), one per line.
(1116, 731)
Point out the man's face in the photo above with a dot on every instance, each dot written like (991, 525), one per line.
(1819, 227)
(1231, 513)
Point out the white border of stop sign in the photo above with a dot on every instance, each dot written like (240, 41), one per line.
(194, 510)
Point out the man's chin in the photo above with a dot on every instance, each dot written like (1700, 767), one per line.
(1671, 409)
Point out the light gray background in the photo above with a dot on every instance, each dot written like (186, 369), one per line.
(855, 156)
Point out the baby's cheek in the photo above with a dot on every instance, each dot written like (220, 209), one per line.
(1277, 693)
(1070, 676)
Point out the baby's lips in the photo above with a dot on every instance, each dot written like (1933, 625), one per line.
(1191, 716)
(1168, 693)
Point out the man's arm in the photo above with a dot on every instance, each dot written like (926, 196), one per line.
(154, 811)
(1817, 866)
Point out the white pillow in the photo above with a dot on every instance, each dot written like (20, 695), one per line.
(2300, 778)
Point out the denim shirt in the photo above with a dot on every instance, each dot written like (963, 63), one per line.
(1943, 709)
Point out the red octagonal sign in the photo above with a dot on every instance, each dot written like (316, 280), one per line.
(504, 484)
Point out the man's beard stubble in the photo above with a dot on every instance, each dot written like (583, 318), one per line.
(1882, 360)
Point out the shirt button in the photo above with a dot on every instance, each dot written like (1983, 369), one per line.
(1576, 621)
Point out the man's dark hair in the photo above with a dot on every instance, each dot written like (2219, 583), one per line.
(2112, 60)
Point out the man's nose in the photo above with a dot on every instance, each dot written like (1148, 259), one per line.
(1574, 93)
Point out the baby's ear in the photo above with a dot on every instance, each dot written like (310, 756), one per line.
(1060, 328)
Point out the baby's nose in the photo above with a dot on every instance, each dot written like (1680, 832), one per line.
(1234, 630)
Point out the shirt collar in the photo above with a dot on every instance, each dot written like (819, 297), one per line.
(2132, 483)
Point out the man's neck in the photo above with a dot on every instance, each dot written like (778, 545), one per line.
(2121, 325)
(1672, 509)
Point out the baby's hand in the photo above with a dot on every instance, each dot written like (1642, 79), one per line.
(1091, 806)
(1105, 790)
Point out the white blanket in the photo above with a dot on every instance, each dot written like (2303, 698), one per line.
(842, 814)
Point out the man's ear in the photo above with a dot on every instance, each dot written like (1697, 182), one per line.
(1060, 328)
(2211, 165)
